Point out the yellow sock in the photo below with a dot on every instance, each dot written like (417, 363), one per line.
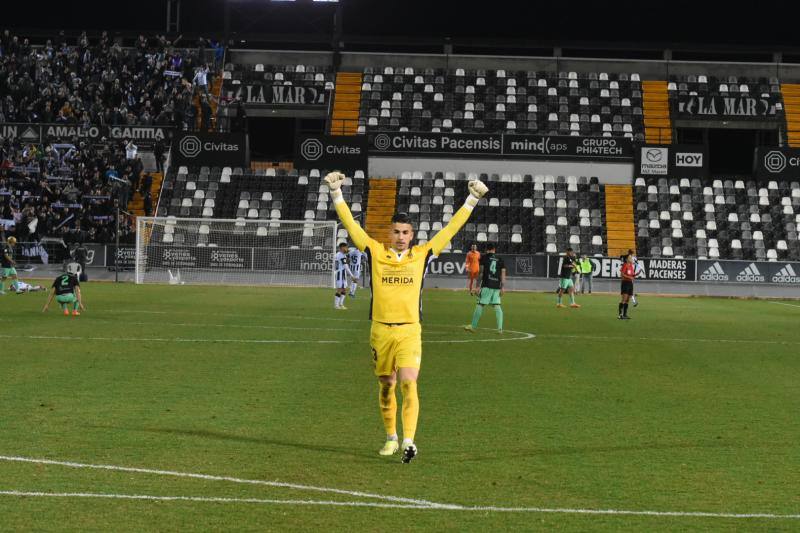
(388, 405)
(410, 408)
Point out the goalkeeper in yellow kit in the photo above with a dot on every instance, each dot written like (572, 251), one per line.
(396, 277)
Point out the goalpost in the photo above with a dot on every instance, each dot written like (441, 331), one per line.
(235, 251)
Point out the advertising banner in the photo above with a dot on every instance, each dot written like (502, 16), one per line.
(673, 160)
(210, 149)
(453, 265)
(654, 269)
(342, 152)
(777, 163)
(748, 272)
(726, 107)
(470, 145)
(51, 133)
(125, 257)
(279, 95)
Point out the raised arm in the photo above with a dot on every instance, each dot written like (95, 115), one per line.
(357, 234)
(476, 191)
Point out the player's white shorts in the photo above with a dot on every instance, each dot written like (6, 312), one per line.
(342, 282)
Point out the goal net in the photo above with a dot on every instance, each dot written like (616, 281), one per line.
(235, 252)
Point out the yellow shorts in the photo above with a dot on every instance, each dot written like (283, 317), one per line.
(395, 347)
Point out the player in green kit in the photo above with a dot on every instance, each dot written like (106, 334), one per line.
(493, 279)
(569, 265)
(67, 290)
(8, 264)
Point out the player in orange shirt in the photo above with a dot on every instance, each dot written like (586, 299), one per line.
(473, 267)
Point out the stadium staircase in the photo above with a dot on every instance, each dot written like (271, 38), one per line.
(216, 93)
(620, 232)
(791, 108)
(381, 206)
(657, 123)
(136, 203)
(346, 102)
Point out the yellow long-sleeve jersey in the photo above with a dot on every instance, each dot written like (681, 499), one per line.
(397, 279)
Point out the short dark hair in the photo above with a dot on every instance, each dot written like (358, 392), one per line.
(401, 218)
(342, 244)
(491, 246)
(569, 249)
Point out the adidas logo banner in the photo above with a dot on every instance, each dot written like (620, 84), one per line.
(712, 272)
(787, 274)
(748, 272)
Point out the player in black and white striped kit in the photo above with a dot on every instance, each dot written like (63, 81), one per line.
(343, 275)
(356, 258)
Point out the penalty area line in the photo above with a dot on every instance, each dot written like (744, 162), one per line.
(209, 477)
(333, 503)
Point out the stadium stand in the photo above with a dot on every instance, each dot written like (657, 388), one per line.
(704, 85)
(460, 100)
(731, 218)
(274, 194)
(319, 76)
(526, 214)
(64, 191)
(96, 81)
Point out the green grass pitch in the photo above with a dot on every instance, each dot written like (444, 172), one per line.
(691, 407)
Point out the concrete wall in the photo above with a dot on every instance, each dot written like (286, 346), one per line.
(606, 172)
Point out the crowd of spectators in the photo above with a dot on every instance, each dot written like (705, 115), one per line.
(67, 191)
(99, 81)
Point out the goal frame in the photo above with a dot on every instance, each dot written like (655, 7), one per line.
(142, 241)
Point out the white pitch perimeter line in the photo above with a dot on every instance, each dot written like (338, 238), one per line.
(782, 303)
(208, 477)
(666, 339)
(332, 503)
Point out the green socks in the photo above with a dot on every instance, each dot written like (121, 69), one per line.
(498, 314)
(476, 316)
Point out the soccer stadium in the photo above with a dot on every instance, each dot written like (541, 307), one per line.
(301, 265)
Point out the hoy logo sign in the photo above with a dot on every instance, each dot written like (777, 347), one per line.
(685, 159)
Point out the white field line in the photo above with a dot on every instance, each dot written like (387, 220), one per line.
(525, 336)
(783, 303)
(666, 339)
(333, 503)
(206, 499)
(208, 477)
(177, 339)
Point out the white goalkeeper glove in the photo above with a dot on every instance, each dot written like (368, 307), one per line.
(335, 180)
(477, 189)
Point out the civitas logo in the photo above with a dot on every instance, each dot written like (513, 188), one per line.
(714, 273)
(786, 275)
(750, 274)
(311, 149)
(190, 146)
(382, 141)
(775, 161)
